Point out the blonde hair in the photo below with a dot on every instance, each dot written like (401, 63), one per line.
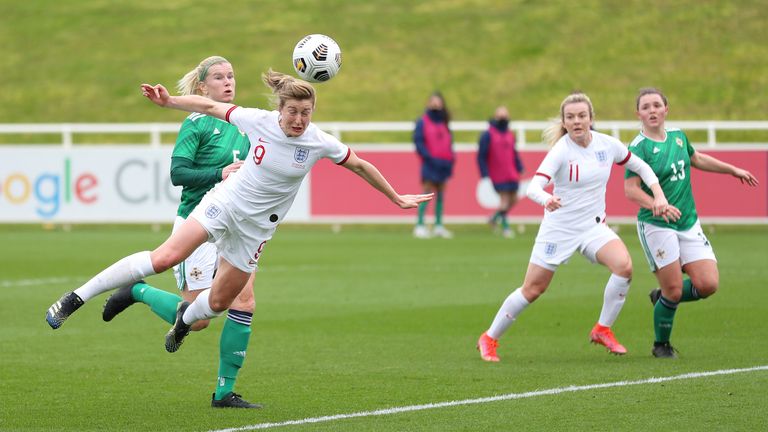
(285, 87)
(189, 84)
(557, 130)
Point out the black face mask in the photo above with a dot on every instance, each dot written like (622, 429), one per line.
(436, 113)
(502, 123)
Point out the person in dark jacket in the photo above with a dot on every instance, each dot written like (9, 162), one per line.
(434, 145)
(498, 159)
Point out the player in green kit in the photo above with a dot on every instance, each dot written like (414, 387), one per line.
(673, 248)
(207, 151)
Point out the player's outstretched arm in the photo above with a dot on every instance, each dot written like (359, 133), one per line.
(708, 163)
(159, 95)
(371, 174)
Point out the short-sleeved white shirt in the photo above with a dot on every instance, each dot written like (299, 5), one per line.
(580, 176)
(264, 188)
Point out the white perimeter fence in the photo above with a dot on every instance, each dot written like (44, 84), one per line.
(155, 130)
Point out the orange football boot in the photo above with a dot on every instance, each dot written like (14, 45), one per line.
(487, 347)
(604, 336)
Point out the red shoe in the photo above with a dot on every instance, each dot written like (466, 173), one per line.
(604, 336)
(487, 347)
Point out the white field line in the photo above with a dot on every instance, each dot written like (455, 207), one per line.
(509, 396)
(34, 282)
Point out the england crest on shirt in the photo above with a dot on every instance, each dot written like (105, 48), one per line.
(601, 156)
(211, 212)
(301, 154)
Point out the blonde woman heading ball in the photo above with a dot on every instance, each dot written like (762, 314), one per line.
(240, 214)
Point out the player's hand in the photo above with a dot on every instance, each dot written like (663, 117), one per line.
(745, 176)
(671, 214)
(553, 203)
(659, 206)
(157, 94)
(411, 201)
(229, 169)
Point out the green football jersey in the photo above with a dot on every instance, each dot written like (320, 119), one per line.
(210, 144)
(671, 162)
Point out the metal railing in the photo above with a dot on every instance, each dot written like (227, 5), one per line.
(155, 130)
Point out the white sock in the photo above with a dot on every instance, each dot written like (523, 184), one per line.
(613, 300)
(200, 309)
(508, 312)
(129, 269)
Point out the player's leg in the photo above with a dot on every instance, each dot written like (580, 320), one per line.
(162, 303)
(661, 247)
(233, 346)
(703, 280)
(129, 270)
(193, 274)
(614, 255)
(439, 229)
(699, 263)
(537, 279)
(210, 303)
(508, 200)
(421, 230)
(670, 280)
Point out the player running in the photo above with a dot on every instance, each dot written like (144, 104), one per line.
(579, 164)
(673, 246)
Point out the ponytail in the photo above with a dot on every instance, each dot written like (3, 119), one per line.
(286, 87)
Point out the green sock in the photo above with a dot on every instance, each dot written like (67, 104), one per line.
(422, 212)
(439, 209)
(504, 223)
(689, 292)
(663, 315)
(232, 348)
(162, 303)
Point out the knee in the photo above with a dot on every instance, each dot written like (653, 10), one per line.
(163, 260)
(533, 292)
(219, 303)
(706, 288)
(673, 292)
(624, 269)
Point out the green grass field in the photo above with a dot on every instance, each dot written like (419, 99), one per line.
(82, 60)
(370, 318)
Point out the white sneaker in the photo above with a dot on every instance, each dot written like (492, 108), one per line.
(440, 231)
(508, 233)
(421, 232)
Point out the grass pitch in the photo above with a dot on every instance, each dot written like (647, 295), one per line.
(370, 318)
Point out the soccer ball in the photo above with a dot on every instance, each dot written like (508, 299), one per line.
(317, 58)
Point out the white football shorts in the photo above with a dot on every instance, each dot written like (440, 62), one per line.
(196, 272)
(237, 239)
(555, 246)
(663, 246)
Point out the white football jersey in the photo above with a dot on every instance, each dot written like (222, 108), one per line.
(580, 176)
(264, 188)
